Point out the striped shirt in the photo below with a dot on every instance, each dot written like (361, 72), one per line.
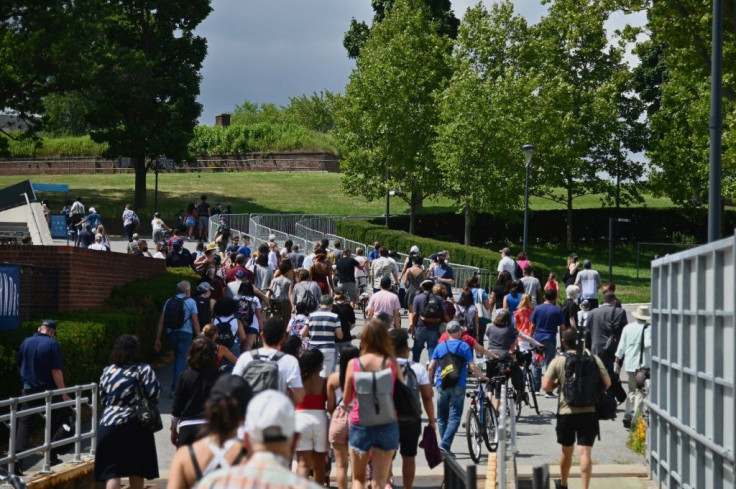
(264, 470)
(322, 326)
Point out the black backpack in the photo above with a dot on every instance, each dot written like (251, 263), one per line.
(310, 303)
(225, 336)
(246, 311)
(583, 384)
(451, 366)
(407, 397)
(204, 312)
(174, 313)
(518, 272)
(432, 308)
(460, 315)
(262, 373)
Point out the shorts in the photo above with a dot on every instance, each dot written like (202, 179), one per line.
(409, 439)
(339, 426)
(383, 437)
(251, 330)
(190, 222)
(311, 424)
(583, 426)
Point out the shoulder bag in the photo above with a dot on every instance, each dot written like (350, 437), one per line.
(642, 374)
(147, 411)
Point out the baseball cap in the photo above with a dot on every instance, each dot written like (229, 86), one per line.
(177, 242)
(92, 209)
(156, 214)
(49, 323)
(270, 417)
(414, 249)
(206, 286)
(240, 274)
(505, 250)
(232, 386)
(135, 235)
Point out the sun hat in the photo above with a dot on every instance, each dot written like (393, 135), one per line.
(642, 312)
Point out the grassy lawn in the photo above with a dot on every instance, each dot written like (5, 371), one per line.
(320, 193)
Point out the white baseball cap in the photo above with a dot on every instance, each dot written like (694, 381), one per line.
(414, 249)
(270, 417)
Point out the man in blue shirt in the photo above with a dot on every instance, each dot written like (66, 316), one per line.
(547, 322)
(40, 362)
(450, 400)
(180, 339)
(443, 274)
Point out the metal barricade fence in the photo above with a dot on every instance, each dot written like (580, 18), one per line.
(47, 410)
(456, 477)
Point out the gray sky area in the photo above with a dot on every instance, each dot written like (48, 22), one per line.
(266, 51)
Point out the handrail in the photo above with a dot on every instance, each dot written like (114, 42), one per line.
(457, 478)
(47, 409)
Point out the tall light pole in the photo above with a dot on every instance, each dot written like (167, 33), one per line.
(388, 192)
(528, 150)
(716, 124)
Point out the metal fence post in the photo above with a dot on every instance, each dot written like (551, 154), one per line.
(13, 425)
(540, 477)
(47, 434)
(501, 452)
(77, 425)
(93, 429)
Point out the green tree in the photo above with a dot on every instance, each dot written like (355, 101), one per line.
(144, 80)
(358, 32)
(65, 114)
(585, 120)
(253, 113)
(388, 113)
(316, 112)
(479, 133)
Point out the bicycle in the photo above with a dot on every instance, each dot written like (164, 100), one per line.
(480, 423)
(525, 362)
(363, 298)
(504, 369)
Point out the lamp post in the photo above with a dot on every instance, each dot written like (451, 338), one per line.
(716, 124)
(388, 192)
(528, 150)
(611, 220)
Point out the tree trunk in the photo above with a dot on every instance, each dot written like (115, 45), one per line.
(468, 218)
(569, 215)
(140, 183)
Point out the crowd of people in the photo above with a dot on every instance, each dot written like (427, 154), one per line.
(266, 370)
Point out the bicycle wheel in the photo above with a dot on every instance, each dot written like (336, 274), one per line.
(530, 390)
(473, 434)
(519, 404)
(491, 427)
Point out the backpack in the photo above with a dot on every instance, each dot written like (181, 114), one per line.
(280, 290)
(204, 312)
(432, 308)
(262, 373)
(174, 313)
(518, 272)
(296, 327)
(225, 334)
(307, 298)
(582, 386)
(375, 399)
(407, 396)
(451, 366)
(460, 313)
(246, 311)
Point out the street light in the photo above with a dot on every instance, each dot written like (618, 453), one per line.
(528, 150)
(388, 192)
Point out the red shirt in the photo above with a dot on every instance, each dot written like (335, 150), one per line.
(465, 337)
(230, 275)
(522, 320)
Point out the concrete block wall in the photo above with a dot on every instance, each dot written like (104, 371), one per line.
(86, 277)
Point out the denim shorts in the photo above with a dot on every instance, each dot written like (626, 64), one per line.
(383, 437)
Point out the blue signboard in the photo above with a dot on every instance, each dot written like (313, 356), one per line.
(58, 226)
(9, 297)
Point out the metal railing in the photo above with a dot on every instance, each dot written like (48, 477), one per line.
(15, 413)
(458, 478)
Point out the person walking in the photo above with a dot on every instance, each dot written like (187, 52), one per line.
(324, 330)
(574, 423)
(124, 447)
(451, 395)
(634, 352)
(429, 313)
(589, 281)
(385, 301)
(547, 322)
(179, 318)
(40, 361)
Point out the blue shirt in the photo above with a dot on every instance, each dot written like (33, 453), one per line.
(459, 348)
(373, 255)
(513, 302)
(547, 319)
(37, 356)
(190, 308)
(444, 271)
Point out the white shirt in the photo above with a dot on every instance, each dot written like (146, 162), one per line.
(273, 260)
(359, 272)
(507, 264)
(419, 370)
(97, 246)
(289, 373)
(159, 255)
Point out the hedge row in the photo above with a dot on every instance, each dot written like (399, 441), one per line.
(367, 232)
(86, 337)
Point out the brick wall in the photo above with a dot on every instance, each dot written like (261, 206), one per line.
(86, 277)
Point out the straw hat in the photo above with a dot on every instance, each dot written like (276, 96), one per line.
(643, 313)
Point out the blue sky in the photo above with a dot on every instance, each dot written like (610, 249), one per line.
(270, 50)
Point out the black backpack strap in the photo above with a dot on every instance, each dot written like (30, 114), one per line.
(195, 464)
(241, 454)
(641, 344)
(277, 356)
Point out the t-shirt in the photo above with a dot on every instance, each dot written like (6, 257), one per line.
(508, 264)
(384, 301)
(459, 348)
(359, 272)
(444, 271)
(289, 374)
(547, 319)
(500, 338)
(589, 281)
(419, 302)
(570, 310)
(465, 337)
(322, 327)
(37, 356)
(513, 302)
(86, 238)
(203, 209)
(230, 275)
(190, 309)
(346, 269)
(418, 368)
(556, 371)
(531, 287)
(382, 267)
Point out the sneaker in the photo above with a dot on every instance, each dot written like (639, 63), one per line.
(627, 423)
(558, 484)
(550, 395)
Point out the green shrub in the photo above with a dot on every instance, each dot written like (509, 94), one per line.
(258, 137)
(63, 147)
(87, 337)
